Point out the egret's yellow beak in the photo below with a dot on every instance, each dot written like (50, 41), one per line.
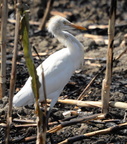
(77, 26)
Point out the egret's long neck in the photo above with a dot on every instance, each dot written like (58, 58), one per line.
(75, 48)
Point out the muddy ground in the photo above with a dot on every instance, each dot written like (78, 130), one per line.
(85, 13)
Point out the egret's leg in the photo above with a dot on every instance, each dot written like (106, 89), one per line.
(53, 102)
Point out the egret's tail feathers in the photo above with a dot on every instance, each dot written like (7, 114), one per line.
(23, 98)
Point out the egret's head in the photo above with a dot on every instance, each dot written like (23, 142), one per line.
(58, 23)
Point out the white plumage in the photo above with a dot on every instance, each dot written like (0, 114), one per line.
(58, 67)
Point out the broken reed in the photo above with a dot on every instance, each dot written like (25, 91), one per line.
(108, 75)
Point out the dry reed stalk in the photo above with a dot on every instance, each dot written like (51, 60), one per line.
(107, 80)
(3, 37)
(13, 71)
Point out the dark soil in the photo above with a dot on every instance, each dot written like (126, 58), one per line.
(85, 13)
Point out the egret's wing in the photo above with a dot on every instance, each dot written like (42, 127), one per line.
(58, 69)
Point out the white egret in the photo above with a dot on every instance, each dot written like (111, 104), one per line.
(58, 67)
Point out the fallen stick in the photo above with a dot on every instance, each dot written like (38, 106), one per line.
(33, 124)
(94, 59)
(95, 26)
(111, 120)
(40, 54)
(75, 121)
(30, 138)
(87, 135)
(63, 14)
(92, 64)
(25, 125)
(24, 121)
(97, 38)
(28, 125)
(121, 105)
(79, 103)
(3, 125)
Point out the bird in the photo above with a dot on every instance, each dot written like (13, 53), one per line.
(58, 67)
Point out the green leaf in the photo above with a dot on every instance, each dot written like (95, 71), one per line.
(28, 54)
